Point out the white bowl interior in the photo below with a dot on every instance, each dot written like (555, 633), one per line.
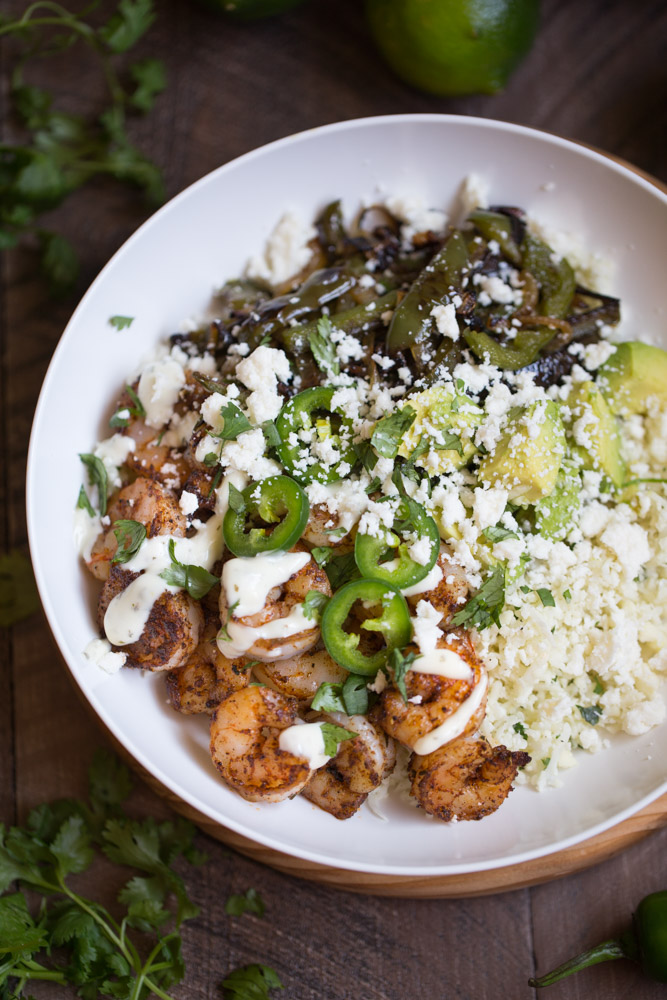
(164, 274)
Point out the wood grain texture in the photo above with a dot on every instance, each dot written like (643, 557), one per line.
(597, 73)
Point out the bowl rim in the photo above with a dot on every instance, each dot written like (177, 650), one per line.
(33, 512)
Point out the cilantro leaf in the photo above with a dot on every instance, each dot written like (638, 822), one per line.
(144, 899)
(341, 569)
(271, 435)
(195, 579)
(151, 79)
(109, 782)
(71, 847)
(388, 433)
(251, 982)
(450, 442)
(18, 593)
(485, 607)
(498, 533)
(130, 536)
(322, 554)
(314, 604)
(373, 486)
(235, 500)
(598, 687)
(398, 667)
(121, 322)
(355, 695)
(328, 698)
(246, 902)
(591, 713)
(323, 348)
(334, 735)
(97, 474)
(567, 595)
(546, 597)
(132, 19)
(235, 422)
(519, 728)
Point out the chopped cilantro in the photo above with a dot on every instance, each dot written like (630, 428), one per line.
(250, 982)
(129, 535)
(83, 503)
(546, 597)
(235, 500)
(373, 486)
(121, 322)
(546, 761)
(271, 435)
(245, 902)
(328, 698)
(498, 534)
(97, 474)
(598, 686)
(567, 595)
(322, 554)
(323, 348)
(333, 735)
(450, 442)
(519, 728)
(389, 431)
(525, 589)
(591, 713)
(399, 666)
(195, 579)
(314, 605)
(341, 569)
(485, 607)
(234, 422)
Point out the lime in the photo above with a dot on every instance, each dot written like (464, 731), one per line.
(454, 47)
(250, 10)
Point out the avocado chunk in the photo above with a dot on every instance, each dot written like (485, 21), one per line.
(527, 458)
(633, 376)
(595, 432)
(554, 515)
(443, 429)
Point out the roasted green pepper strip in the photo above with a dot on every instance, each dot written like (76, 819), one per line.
(331, 232)
(554, 276)
(522, 351)
(496, 226)
(320, 288)
(388, 557)
(280, 504)
(412, 324)
(393, 623)
(357, 320)
(306, 425)
(644, 942)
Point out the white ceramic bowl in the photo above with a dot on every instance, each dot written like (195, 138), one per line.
(164, 274)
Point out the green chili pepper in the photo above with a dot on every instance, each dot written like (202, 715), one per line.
(331, 232)
(387, 557)
(356, 321)
(522, 351)
(644, 942)
(498, 227)
(320, 288)
(279, 504)
(554, 276)
(307, 421)
(393, 624)
(412, 324)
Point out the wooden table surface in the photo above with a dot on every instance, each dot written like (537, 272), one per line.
(597, 73)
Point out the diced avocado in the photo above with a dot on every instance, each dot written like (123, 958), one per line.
(554, 515)
(446, 421)
(527, 458)
(633, 376)
(595, 432)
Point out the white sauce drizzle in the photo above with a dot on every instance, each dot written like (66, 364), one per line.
(305, 741)
(444, 663)
(248, 581)
(87, 530)
(431, 580)
(242, 637)
(128, 612)
(455, 724)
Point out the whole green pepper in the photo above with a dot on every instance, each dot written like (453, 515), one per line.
(644, 942)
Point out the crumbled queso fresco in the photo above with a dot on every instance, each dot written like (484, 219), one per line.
(547, 490)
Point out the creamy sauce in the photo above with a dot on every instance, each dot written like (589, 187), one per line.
(128, 612)
(248, 581)
(455, 724)
(305, 741)
(242, 637)
(431, 580)
(87, 530)
(444, 663)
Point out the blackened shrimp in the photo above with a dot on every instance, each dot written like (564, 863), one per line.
(432, 699)
(448, 594)
(280, 629)
(360, 765)
(300, 676)
(465, 779)
(245, 732)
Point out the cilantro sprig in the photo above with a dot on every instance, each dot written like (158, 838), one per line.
(60, 152)
(70, 940)
(484, 608)
(195, 579)
(323, 347)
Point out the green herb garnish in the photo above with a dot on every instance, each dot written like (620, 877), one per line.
(399, 666)
(519, 728)
(195, 579)
(591, 713)
(251, 982)
(235, 422)
(246, 902)
(388, 433)
(485, 607)
(334, 735)
(121, 322)
(546, 597)
(323, 347)
(129, 535)
(97, 474)
(314, 605)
